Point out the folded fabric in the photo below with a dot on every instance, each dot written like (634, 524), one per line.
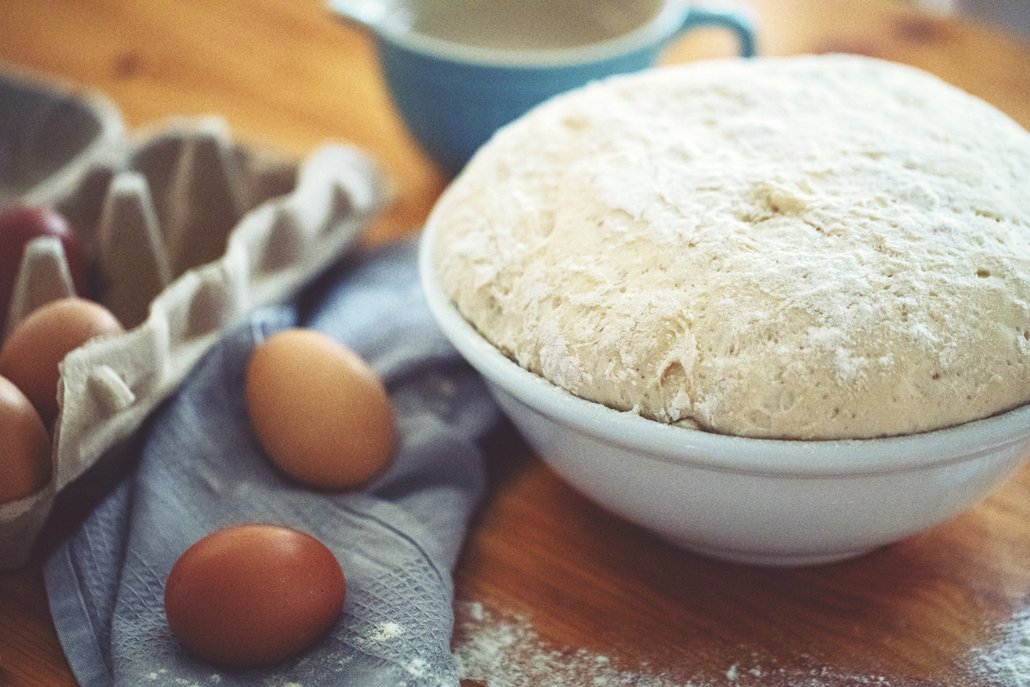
(199, 468)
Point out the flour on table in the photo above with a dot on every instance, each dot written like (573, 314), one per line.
(501, 649)
(1008, 663)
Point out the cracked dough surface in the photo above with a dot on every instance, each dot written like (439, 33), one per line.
(809, 247)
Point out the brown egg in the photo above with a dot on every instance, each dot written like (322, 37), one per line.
(252, 595)
(36, 346)
(24, 446)
(319, 411)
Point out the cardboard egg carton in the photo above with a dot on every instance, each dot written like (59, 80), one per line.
(188, 231)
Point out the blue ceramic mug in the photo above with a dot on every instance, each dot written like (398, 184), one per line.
(457, 70)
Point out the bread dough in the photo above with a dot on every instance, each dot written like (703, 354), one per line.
(814, 247)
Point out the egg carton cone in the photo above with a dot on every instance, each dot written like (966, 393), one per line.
(49, 132)
(188, 232)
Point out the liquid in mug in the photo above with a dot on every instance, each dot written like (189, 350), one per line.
(522, 24)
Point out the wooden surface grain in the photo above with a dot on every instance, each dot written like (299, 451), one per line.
(580, 583)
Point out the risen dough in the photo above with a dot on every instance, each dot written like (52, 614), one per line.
(815, 247)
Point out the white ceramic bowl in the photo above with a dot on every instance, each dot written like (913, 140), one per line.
(758, 501)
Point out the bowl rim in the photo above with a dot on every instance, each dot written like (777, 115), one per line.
(700, 448)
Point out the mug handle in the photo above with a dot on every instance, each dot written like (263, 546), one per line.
(736, 21)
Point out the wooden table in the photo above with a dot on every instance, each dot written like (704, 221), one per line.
(577, 586)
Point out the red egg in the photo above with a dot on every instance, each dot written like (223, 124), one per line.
(252, 595)
(18, 226)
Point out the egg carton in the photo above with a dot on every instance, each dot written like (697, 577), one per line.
(188, 231)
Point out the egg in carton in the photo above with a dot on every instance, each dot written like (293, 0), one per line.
(188, 232)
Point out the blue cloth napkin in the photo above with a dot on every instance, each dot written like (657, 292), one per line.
(199, 468)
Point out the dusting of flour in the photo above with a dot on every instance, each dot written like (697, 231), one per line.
(501, 649)
(1007, 664)
(736, 246)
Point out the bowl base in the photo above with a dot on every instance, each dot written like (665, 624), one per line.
(772, 559)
